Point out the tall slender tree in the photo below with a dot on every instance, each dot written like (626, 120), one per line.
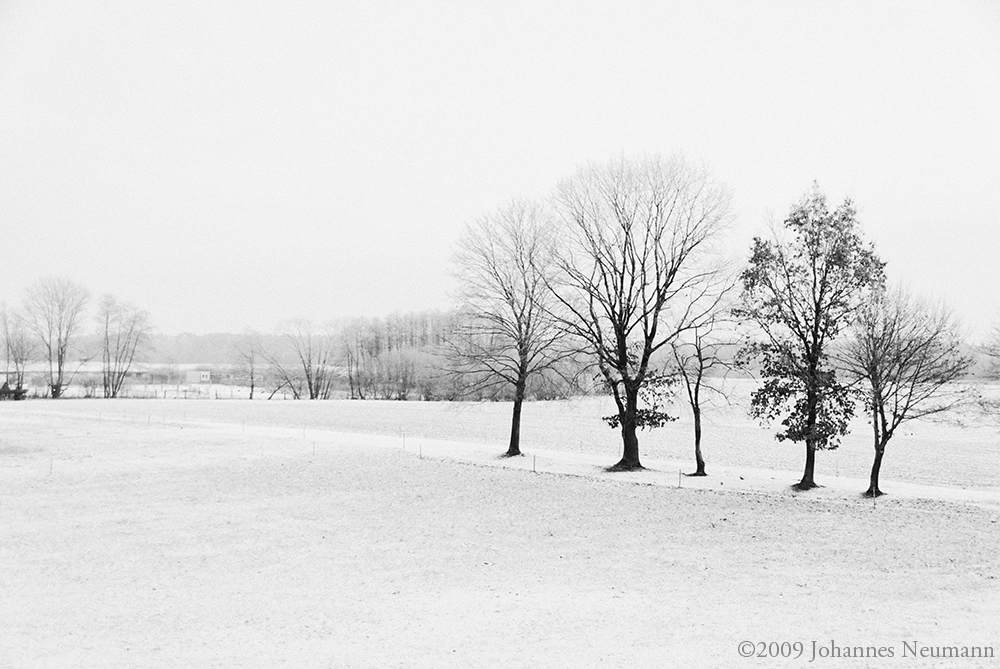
(699, 355)
(803, 289)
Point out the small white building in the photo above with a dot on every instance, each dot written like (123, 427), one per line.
(198, 376)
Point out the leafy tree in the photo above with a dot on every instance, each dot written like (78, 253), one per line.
(907, 355)
(803, 289)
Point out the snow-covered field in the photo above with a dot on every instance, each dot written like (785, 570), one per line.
(923, 452)
(314, 534)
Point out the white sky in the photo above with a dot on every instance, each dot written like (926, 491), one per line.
(225, 164)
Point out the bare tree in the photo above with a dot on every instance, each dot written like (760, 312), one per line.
(394, 375)
(988, 401)
(54, 309)
(314, 352)
(704, 350)
(992, 350)
(357, 357)
(507, 333)
(396, 356)
(632, 267)
(247, 355)
(907, 354)
(124, 331)
(18, 346)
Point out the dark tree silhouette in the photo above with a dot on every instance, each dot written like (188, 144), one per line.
(803, 290)
(907, 355)
(632, 268)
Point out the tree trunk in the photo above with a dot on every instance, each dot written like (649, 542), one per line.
(515, 423)
(698, 459)
(807, 482)
(57, 385)
(873, 489)
(350, 375)
(105, 375)
(630, 442)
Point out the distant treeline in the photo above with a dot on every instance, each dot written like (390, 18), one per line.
(417, 330)
(397, 357)
(51, 347)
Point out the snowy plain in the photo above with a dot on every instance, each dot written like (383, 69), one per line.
(173, 533)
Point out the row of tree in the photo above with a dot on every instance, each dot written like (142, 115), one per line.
(399, 357)
(396, 357)
(618, 273)
(52, 316)
(806, 290)
(615, 278)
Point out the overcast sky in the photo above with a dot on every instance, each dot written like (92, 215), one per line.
(232, 164)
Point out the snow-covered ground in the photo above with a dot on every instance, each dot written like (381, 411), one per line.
(348, 534)
(963, 455)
